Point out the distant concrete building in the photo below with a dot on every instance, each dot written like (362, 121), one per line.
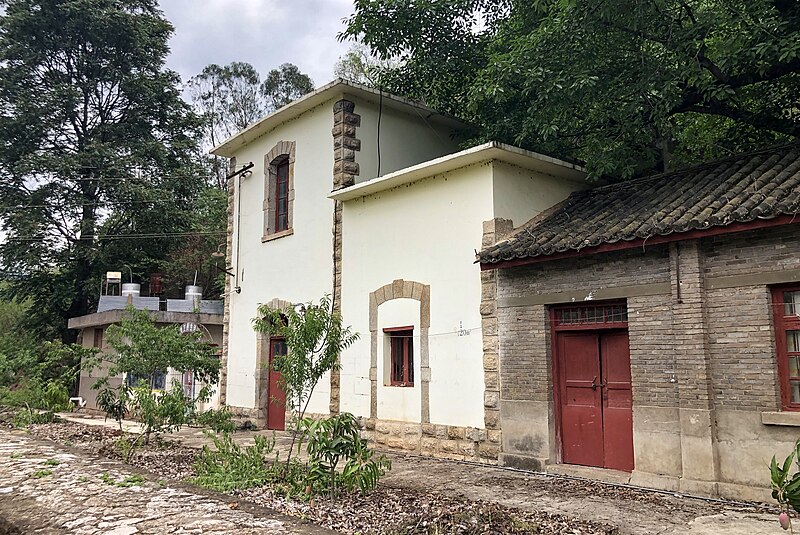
(192, 314)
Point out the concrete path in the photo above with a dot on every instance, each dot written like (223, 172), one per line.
(48, 488)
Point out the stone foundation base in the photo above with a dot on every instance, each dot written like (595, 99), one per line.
(522, 462)
(435, 440)
(242, 415)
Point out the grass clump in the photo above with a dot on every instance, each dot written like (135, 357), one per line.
(134, 480)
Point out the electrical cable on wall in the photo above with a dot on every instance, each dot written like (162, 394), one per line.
(378, 137)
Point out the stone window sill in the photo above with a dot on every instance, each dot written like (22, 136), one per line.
(787, 418)
(277, 235)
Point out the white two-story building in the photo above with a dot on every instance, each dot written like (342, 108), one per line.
(368, 197)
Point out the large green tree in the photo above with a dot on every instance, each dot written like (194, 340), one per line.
(98, 152)
(629, 86)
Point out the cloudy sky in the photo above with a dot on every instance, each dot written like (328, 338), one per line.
(264, 33)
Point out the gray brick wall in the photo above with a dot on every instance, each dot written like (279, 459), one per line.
(753, 252)
(652, 345)
(525, 354)
(720, 343)
(623, 268)
(741, 346)
(525, 341)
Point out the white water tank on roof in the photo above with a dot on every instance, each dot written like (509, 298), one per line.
(194, 294)
(131, 289)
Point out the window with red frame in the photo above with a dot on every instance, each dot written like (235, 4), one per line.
(786, 305)
(282, 196)
(401, 362)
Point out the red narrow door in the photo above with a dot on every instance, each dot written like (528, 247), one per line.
(580, 396)
(617, 401)
(276, 406)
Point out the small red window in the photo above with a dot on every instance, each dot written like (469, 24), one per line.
(401, 362)
(282, 196)
(786, 308)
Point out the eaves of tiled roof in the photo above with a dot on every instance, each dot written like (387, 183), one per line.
(747, 188)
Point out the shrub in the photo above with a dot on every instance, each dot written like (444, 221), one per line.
(143, 349)
(785, 485)
(38, 402)
(314, 337)
(334, 440)
(339, 461)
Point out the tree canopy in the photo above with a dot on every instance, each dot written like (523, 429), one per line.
(629, 87)
(229, 98)
(98, 152)
(285, 84)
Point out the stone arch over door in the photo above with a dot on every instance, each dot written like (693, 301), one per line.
(402, 289)
(261, 373)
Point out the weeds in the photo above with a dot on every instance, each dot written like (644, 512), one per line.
(28, 416)
(42, 473)
(219, 420)
(134, 480)
(52, 462)
(339, 461)
(229, 467)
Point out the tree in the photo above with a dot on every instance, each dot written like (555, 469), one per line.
(359, 65)
(628, 86)
(192, 260)
(314, 338)
(228, 98)
(285, 84)
(98, 153)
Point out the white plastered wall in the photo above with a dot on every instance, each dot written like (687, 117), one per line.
(427, 232)
(406, 139)
(297, 268)
(521, 194)
(424, 232)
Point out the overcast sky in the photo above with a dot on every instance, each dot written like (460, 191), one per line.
(264, 33)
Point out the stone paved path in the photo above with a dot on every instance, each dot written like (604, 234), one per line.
(633, 516)
(46, 488)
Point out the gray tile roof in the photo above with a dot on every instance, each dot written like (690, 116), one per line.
(760, 185)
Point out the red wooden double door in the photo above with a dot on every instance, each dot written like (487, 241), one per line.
(594, 396)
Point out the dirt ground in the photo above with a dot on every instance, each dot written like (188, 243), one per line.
(631, 511)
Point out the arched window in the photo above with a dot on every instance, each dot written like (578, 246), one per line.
(278, 191)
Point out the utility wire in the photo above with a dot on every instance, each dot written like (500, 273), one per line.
(121, 236)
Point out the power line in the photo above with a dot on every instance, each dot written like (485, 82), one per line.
(123, 236)
(98, 203)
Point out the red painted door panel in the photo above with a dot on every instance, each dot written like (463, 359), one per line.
(276, 406)
(581, 403)
(595, 398)
(617, 401)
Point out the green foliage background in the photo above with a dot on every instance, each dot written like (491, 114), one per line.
(629, 87)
